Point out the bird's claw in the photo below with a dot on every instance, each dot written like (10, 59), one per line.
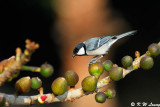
(92, 61)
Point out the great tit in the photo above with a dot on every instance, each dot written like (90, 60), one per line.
(98, 46)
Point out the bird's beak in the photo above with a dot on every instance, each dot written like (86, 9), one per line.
(73, 55)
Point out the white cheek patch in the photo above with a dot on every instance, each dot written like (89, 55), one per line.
(81, 51)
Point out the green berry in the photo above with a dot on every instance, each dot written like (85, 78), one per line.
(2, 101)
(146, 62)
(89, 84)
(107, 65)
(127, 61)
(23, 85)
(96, 69)
(154, 49)
(36, 83)
(100, 97)
(71, 77)
(148, 53)
(116, 73)
(46, 70)
(110, 93)
(59, 86)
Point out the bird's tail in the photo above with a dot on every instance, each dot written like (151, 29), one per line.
(126, 34)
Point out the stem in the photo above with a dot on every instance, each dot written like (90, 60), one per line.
(16, 64)
(31, 68)
(70, 95)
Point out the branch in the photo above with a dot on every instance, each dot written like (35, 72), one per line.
(71, 94)
(14, 64)
(31, 68)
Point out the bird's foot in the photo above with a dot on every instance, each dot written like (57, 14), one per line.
(92, 61)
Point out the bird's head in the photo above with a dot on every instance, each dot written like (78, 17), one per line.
(79, 50)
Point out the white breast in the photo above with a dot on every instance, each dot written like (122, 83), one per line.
(100, 51)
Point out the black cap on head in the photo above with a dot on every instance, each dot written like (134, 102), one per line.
(77, 48)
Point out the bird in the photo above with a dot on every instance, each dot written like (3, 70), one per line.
(98, 46)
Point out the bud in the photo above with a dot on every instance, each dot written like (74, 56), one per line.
(116, 73)
(89, 84)
(154, 49)
(23, 85)
(110, 93)
(107, 65)
(96, 69)
(59, 86)
(46, 70)
(36, 83)
(146, 62)
(71, 77)
(41, 99)
(127, 61)
(100, 97)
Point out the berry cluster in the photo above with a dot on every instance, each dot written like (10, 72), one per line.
(89, 84)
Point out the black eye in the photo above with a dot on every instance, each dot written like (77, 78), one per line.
(75, 50)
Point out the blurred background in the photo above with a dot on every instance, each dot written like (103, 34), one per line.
(59, 25)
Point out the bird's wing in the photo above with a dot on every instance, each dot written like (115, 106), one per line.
(95, 43)
(113, 39)
(105, 39)
(92, 44)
